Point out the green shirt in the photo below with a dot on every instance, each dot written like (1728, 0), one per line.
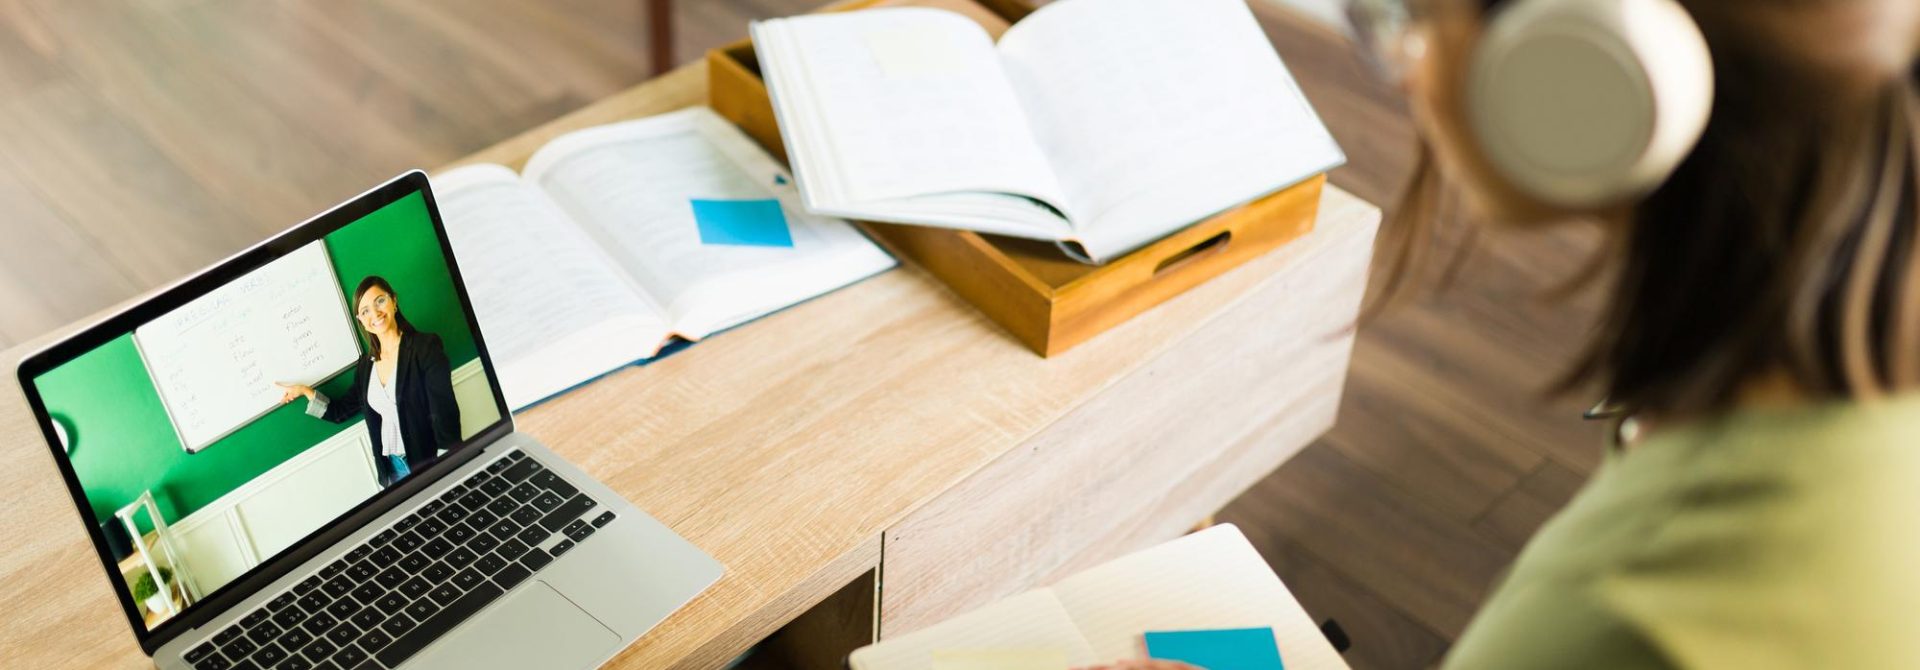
(1765, 539)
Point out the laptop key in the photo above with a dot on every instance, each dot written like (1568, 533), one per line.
(430, 528)
(368, 592)
(483, 543)
(602, 520)
(533, 535)
(195, 654)
(382, 537)
(319, 651)
(314, 602)
(269, 655)
(294, 638)
(526, 516)
(397, 626)
(422, 608)
(481, 519)
(502, 506)
(467, 579)
(436, 573)
(438, 546)
(307, 584)
(348, 656)
(255, 618)
(294, 663)
(512, 549)
(452, 515)
(385, 556)
(458, 533)
(560, 547)
(455, 612)
(511, 575)
(459, 558)
(519, 471)
(244, 665)
(320, 623)
(496, 486)
(416, 587)
(446, 593)
(431, 508)
(358, 553)
(342, 635)
(343, 608)
(489, 564)
(374, 640)
(580, 533)
(227, 635)
(239, 648)
(407, 523)
(391, 578)
(524, 493)
(567, 512)
(547, 501)
(362, 571)
(535, 559)
(333, 569)
(213, 662)
(337, 587)
(281, 601)
(391, 603)
(289, 617)
(368, 618)
(415, 562)
(408, 541)
(263, 633)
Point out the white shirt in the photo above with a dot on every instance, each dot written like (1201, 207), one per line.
(380, 400)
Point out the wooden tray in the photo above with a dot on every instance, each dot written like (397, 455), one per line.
(1046, 300)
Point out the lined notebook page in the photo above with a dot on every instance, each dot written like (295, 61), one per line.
(1207, 580)
(1030, 621)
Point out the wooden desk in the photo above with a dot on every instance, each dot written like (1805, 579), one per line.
(886, 426)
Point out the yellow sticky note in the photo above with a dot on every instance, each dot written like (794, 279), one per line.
(1000, 659)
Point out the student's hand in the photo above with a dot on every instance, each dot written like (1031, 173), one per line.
(1143, 664)
(294, 391)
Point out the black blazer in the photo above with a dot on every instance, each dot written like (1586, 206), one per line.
(429, 418)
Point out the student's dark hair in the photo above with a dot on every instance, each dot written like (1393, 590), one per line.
(376, 281)
(1788, 241)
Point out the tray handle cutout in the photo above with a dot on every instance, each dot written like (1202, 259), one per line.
(1207, 247)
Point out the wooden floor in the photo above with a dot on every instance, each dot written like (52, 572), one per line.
(142, 139)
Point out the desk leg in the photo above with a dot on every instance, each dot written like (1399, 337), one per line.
(822, 637)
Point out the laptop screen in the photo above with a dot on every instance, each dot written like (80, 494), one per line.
(212, 435)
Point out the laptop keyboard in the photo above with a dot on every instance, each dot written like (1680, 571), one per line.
(409, 584)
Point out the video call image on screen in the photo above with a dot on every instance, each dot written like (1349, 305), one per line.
(212, 438)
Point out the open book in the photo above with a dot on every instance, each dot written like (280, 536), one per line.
(1208, 580)
(592, 259)
(1101, 124)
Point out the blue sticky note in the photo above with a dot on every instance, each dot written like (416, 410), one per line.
(754, 223)
(1232, 649)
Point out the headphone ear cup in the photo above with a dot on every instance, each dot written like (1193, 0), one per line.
(1581, 103)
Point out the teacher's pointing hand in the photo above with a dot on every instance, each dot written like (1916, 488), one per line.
(294, 391)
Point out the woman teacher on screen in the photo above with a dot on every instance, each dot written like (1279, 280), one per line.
(404, 387)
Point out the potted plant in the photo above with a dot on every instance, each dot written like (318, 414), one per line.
(155, 596)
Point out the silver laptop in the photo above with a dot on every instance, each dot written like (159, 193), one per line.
(301, 458)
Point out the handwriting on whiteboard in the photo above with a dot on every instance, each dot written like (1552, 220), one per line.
(215, 360)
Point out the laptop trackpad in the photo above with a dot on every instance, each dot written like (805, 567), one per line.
(533, 628)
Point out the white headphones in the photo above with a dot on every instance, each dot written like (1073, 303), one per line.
(1585, 102)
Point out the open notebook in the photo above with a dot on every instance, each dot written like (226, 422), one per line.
(1101, 124)
(592, 258)
(1208, 580)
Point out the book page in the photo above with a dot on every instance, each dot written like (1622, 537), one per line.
(895, 103)
(1030, 622)
(1211, 579)
(1156, 114)
(554, 310)
(631, 187)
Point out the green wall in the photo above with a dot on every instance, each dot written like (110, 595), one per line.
(123, 441)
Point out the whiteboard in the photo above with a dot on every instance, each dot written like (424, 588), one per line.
(215, 360)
